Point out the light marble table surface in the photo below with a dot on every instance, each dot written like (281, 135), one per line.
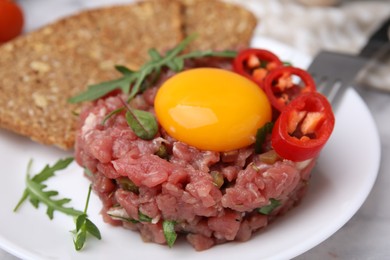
(367, 234)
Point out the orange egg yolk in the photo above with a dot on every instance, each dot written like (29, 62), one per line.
(212, 109)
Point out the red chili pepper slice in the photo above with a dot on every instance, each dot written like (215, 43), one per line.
(255, 64)
(281, 87)
(303, 127)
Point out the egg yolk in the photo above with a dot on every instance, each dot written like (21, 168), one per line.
(212, 109)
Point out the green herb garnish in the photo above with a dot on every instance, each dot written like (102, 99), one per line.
(84, 226)
(120, 213)
(266, 210)
(169, 232)
(36, 193)
(143, 123)
(133, 82)
(261, 136)
(143, 218)
(116, 111)
(88, 172)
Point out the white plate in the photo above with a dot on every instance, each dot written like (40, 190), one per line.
(342, 180)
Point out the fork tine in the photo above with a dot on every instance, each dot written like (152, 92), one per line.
(337, 95)
(320, 83)
(333, 89)
(333, 72)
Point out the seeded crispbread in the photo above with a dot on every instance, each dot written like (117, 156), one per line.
(42, 69)
(219, 25)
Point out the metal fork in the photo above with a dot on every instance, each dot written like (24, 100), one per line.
(334, 72)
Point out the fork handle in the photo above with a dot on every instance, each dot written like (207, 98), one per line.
(377, 40)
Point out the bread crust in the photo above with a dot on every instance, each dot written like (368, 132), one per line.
(219, 25)
(42, 69)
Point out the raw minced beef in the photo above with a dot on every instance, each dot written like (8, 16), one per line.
(212, 197)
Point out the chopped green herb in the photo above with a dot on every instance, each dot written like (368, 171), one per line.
(169, 232)
(261, 136)
(143, 218)
(84, 226)
(99, 90)
(119, 213)
(266, 210)
(130, 220)
(88, 172)
(36, 193)
(132, 82)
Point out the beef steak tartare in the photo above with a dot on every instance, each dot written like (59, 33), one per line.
(211, 197)
(151, 180)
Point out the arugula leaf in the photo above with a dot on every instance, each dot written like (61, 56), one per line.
(99, 90)
(84, 226)
(124, 70)
(266, 210)
(169, 232)
(48, 171)
(143, 123)
(36, 193)
(80, 221)
(132, 82)
(154, 54)
(261, 135)
(79, 241)
(92, 229)
(116, 111)
(207, 53)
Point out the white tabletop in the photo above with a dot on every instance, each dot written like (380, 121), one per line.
(367, 234)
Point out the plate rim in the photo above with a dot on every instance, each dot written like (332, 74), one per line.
(21, 252)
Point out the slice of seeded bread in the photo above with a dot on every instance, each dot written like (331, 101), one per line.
(42, 69)
(219, 25)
